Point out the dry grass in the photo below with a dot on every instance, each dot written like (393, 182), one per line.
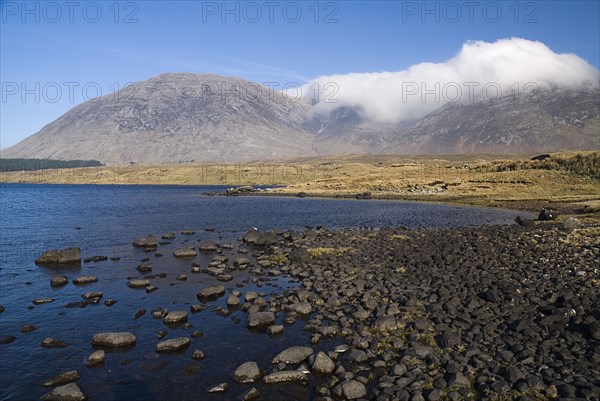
(316, 252)
(570, 177)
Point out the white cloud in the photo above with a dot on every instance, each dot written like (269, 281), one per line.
(481, 70)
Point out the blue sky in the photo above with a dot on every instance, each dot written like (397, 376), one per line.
(55, 55)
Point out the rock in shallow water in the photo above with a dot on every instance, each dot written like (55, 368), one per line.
(68, 392)
(185, 253)
(60, 256)
(260, 319)
(173, 345)
(49, 342)
(247, 372)
(149, 242)
(322, 363)
(59, 281)
(353, 389)
(212, 292)
(95, 358)
(293, 355)
(63, 378)
(138, 283)
(285, 376)
(113, 339)
(176, 317)
(219, 388)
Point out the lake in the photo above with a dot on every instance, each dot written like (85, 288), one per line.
(103, 220)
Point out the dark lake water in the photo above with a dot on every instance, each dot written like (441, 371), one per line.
(103, 220)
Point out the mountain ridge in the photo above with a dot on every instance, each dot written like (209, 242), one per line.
(177, 117)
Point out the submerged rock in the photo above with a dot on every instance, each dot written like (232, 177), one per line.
(50, 342)
(219, 388)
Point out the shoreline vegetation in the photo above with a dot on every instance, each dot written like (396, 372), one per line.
(565, 181)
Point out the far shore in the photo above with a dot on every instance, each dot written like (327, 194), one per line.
(568, 182)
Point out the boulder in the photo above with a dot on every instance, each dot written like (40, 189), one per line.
(95, 358)
(302, 308)
(219, 388)
(240, 262)
(173, 345)
(275, 329)
(214, 291)
(250, 296)
(545, 215)
(260, 319)
(353, 389)
(571, 223)
(449, 339)
(233, 301)
(251, 394)
(208, 246)
(185, 253)
(198, 354)
(59, 257)
(49, 342)
(113, 339)
(594, 330)
(138, 283)
(255, 237)
(322, 363)
(63, 378)
(68, 392)
(251, 236)
(247, 372)
(295, 354)
(175, 317)
(285, 376)
(148, 242)
(524, 222)
(93, 295)
(59, 281)
(84, 280)
(299, 255)
(386, 323)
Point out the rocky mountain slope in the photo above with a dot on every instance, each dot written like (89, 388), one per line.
(175, 118)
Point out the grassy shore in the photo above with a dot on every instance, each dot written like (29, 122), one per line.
(565, 181)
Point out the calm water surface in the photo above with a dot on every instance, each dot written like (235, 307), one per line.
(103, 220)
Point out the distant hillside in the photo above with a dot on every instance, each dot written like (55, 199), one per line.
(44, 164)
(175, 118)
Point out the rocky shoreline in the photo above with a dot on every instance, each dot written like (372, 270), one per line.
(488, 313)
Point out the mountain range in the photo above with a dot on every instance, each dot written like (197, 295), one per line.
(181, 117)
